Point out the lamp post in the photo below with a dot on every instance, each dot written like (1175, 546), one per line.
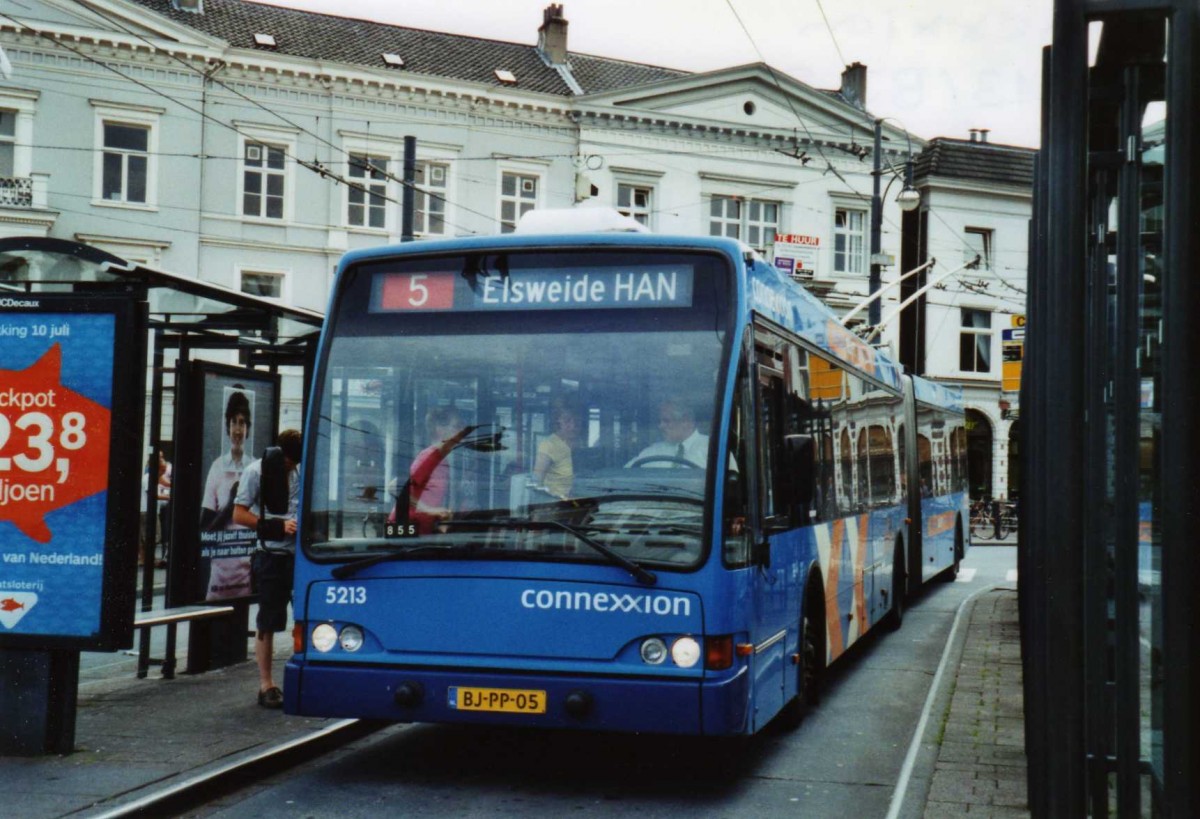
(908, 199)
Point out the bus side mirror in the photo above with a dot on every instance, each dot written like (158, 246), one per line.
(798, 450)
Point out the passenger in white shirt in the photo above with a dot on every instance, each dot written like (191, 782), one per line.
(682, 443)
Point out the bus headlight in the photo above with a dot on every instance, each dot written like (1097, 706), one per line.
(351, 638)
(654, 651)
(324, 638)
(685, 652)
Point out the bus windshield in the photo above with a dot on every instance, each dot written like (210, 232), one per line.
(526, 405)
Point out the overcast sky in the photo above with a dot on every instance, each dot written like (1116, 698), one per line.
(939, 67)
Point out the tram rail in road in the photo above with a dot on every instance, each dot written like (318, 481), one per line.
(174, 797)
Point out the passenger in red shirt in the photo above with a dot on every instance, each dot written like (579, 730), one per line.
(429, 475)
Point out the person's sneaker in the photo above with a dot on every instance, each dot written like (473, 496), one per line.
(271, 698)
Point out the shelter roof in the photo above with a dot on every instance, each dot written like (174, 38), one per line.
(223, 316)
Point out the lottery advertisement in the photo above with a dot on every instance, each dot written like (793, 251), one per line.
(64, 575)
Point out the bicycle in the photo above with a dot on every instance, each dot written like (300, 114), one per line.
(984, 525)
(981, 520)
(1009, 518)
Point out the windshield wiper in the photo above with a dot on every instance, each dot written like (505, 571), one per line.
(642, 574)
(347, 569)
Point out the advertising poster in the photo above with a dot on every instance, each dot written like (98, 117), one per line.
(238, 411)
(57, 551)
(797, 254)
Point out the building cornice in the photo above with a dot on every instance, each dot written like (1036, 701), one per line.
(977, 187)
(24, 216)
(776, 139)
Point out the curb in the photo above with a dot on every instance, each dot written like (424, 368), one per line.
(912, 790)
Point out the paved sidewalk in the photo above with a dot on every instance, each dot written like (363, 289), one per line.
(134, 734)
(980, 767)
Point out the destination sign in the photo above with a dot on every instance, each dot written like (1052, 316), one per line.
(651, 286)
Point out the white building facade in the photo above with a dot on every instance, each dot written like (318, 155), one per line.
(251, 146)
(976, 203)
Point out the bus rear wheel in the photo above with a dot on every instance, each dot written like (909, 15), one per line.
(810, 665)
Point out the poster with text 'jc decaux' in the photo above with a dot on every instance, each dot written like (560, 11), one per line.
(56, 403)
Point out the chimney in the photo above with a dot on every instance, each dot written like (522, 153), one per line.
(552, 36)
(854, 85)
(983, 132)
(974, 134)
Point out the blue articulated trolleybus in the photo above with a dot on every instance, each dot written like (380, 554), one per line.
(604, 481)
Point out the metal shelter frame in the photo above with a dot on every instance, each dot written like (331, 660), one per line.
(1110, 625)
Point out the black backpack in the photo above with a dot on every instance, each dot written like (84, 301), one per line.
(274, 489)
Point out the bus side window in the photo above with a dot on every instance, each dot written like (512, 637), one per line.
(789, 452)
(770, 450)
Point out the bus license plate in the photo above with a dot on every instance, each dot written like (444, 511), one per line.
(506, 700)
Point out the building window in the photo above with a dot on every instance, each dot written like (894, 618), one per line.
(753, 220)
(125, 163)
(518, 196)
(8, 143)
(725, 217)
(429, 212)
(975, 341)
(979, 243)
(264, 285)
(849, 240)
(762, 221)
(634, 201)
(368, 191)
(262, 180)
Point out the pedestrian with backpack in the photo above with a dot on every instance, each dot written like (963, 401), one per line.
(267, 501)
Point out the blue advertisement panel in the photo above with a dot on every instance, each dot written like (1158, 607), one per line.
(56, 409)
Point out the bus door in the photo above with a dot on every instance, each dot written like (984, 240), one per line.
(770, 622)
(776, 581)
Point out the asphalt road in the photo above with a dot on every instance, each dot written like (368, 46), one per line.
(843, 761)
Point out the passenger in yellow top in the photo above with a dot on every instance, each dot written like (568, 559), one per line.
(553, 468)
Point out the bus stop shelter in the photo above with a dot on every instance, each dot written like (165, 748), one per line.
(180, 328)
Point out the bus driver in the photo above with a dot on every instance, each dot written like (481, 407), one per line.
(682, 443)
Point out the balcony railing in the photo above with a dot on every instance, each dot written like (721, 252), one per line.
(16, 192)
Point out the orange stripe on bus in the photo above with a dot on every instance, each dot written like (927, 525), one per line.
(860, 600)
(939, 523)
(833, 615)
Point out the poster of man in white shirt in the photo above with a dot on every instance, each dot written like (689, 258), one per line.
(238, 410)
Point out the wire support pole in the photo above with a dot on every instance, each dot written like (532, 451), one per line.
(876, 227)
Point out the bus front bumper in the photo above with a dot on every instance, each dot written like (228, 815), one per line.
(668, 706)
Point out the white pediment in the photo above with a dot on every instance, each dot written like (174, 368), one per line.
(752, 97)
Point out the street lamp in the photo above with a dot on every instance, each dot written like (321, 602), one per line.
(908, 199)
